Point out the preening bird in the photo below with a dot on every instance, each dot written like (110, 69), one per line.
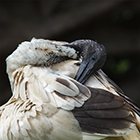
(61, 93)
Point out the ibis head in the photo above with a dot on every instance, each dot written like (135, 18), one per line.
(93, 58)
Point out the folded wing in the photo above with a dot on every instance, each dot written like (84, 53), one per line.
(105, 113)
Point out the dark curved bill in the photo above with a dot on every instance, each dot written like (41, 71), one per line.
(87, 68)
(90, 66)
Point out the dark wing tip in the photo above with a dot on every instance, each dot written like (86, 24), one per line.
(103, 113)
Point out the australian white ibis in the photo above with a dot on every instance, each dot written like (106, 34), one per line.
(61, 93)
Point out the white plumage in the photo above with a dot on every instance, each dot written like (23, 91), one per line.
(45, 95)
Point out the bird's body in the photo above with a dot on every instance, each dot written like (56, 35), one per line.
(48, 104)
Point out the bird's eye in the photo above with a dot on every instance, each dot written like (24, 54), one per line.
(94, 56)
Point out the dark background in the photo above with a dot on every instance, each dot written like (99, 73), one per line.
(113, 23)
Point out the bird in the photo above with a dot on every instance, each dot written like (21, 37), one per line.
(60, 92)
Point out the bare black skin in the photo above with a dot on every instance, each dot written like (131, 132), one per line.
(93, 58)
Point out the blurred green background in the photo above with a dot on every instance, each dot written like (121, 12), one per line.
(113, 23)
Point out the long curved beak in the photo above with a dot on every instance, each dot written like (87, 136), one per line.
(87, 68)
(91, 65)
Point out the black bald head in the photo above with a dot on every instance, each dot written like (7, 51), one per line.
(93, 58)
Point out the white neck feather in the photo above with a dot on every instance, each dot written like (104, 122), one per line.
(37, 52)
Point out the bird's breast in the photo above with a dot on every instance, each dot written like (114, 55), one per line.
(68, 68)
